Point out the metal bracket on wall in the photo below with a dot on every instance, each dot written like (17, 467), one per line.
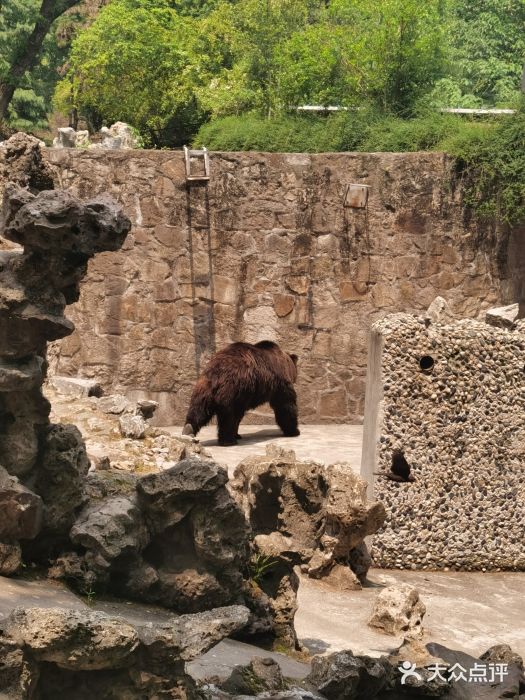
(193, 155)
(356, 196)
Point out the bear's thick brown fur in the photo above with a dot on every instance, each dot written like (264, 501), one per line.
(242, 377)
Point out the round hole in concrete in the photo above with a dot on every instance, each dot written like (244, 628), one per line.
(426, 363)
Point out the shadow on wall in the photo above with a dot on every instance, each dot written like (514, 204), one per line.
(201, 269)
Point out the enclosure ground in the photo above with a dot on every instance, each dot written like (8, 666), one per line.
(466, 611)
(326, 444)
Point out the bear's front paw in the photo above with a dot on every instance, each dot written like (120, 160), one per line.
(227, 443)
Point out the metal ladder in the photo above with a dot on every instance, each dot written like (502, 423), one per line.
(194, 154)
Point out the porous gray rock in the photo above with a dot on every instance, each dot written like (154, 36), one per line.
(189, 636)
(110, 529)
(43, 466)
(51, 652)
(20, 509)
(398, 610)
(168, 496)
(133, 427)
(175, 537)
(73, 639)
(61, 471)
(302, 513)
(23, 164)
(261, 674)
(322, 511)
(343, 676)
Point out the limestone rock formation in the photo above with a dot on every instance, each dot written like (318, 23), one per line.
(398, 611)
(318, 517)
(175, 537)
(413, 671)
(261, 674)
(343, 676)
(118, 135)
(67, 137)
(23, 164)
(42, 466)
(301, 514)
(132, 427)
(53, 652)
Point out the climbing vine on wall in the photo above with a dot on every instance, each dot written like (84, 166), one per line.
(493, 168)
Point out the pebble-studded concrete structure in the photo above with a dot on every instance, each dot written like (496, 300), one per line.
(452, 396)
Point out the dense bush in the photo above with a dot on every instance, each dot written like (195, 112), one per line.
(493, 166)
(362, 130)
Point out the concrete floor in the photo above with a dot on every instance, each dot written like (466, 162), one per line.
(326, 444)
(465, 611)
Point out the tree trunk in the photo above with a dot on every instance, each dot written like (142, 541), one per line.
(28, 52)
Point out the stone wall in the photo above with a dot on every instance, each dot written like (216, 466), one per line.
(267, 250)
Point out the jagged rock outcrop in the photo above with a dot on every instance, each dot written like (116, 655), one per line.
(398, 610)
(21, 162)
(301, 514)
(42, 467)
(316, 516)
(413, 671)
(52, 652)
(175, 537)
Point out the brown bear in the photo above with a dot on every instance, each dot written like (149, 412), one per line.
(239, 378)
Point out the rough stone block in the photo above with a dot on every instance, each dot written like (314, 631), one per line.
(80, 640)
(20, 509)
(398, 611)
(503, 316)
(76, 386)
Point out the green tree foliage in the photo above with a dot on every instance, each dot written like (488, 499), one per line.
(486, 54)
(141, 62)
(166, 71)
(24, 26)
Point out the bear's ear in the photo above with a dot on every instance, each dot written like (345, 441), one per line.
(294, 358)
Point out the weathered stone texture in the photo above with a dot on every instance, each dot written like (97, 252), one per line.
(461, 428)
(268, 250)
(77, 654)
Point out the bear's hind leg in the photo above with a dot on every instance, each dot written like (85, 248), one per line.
(227, 426)
(239, 415)
(284, 405)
